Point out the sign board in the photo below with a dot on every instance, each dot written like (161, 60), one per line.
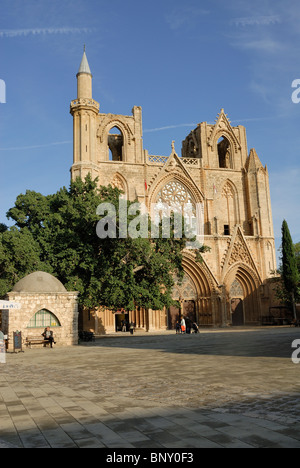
(2, 352)
(4, 305)
(17, 339)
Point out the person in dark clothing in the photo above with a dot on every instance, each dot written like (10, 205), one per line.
(131, 328)
(48, 336)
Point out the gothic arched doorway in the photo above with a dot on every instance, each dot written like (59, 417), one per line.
(237, 303)
(244, 301)
(237, 312)
(185, 293)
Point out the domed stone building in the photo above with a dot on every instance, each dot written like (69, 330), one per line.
(45, 302)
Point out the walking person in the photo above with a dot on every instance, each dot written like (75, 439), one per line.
(182, 323)
(188, 325)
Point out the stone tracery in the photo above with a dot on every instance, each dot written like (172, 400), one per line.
(175, 195)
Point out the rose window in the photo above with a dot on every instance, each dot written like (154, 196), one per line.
(175, 195)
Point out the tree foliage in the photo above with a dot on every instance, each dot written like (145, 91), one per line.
(58, 235)
(288, 285)
(19, 256)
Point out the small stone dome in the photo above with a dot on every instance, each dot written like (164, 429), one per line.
(39, 282)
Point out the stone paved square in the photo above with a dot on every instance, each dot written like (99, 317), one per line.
(226, 388)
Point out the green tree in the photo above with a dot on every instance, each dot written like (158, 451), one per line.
(19, 256)
(297, 253)
(290, 272)
(115, 271)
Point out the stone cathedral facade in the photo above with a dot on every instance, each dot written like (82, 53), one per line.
(214, 169)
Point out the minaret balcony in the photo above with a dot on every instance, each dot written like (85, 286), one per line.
(85, 103)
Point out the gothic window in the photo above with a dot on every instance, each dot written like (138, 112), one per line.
(42, 319)
(115, 144)
(230, 207)
(236, 289)
(117, 182)
(185, 289)
(224, 153)
(175, 195)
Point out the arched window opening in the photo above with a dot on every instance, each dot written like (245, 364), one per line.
(42, 319)
(224, 153)
(115, 144)
(231, 213)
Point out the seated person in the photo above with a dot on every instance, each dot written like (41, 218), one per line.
(48, 336)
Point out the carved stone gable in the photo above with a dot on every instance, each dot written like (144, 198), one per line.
(223, 126)
(239, 253)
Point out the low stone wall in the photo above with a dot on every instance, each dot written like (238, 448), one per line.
(62, 305)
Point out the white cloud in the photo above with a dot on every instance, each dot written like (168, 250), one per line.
(256, 21)
(158, 129)
(263, 45)
(41, 31)
(184, 16)
(47, 145)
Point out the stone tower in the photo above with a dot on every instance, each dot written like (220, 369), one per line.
(85, 111)
(215, 169)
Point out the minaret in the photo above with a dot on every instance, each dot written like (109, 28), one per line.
(84, 111)
(84, 79)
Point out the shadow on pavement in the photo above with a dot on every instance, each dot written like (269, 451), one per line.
(259, 343)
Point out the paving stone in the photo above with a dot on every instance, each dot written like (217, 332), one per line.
(232, 389)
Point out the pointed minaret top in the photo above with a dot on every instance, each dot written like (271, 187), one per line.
(84, 66)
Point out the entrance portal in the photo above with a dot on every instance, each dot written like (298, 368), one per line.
(189, 310)
(121, 319)
(173, 316)
(237, 311)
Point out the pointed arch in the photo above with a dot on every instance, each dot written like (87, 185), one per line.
(176, 177)
(223, 133)
(232, 216)
(119, 181)
(185, 289)
(224, 150)
(125, 131)
(43, 318)
(250, 284)
(223, 128)
(205, 284)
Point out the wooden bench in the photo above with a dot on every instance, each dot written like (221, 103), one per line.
(32, 340)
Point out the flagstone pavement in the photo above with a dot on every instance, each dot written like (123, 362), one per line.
(235, 388)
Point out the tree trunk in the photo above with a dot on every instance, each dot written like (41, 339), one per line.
(294, 306)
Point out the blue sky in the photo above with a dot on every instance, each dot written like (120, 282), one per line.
(181, 61)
